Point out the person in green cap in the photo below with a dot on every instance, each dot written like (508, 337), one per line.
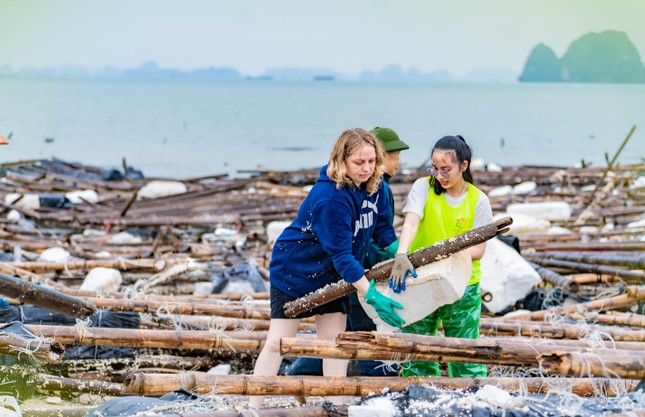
(357, 320)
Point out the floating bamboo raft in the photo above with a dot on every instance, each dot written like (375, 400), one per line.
(597, 259)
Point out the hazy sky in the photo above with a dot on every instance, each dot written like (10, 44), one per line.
(344, 35)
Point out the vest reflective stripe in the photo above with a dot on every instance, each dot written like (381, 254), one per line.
(441, 222)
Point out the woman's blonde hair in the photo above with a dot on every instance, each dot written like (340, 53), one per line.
(347, 143)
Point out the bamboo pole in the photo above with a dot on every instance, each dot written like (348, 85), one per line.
(382, 270)
(512, 327)
(593, 364)
(630, 260)
(612, 318)
(45, 297)
(304, 411)
(171, 339)
(121, 264)
(586, 246)
(410, 347)
(554, 278)
(635, 294)
(155, 385)
(76, 385)
(45, 350)
(190, 308)
(635, 277)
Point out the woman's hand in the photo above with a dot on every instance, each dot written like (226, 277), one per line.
(400, 270)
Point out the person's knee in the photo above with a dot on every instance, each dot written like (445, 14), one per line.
(272, 345)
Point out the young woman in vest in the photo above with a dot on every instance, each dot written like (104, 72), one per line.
(439, 207)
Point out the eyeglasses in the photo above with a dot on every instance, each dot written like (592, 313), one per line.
(438, 172)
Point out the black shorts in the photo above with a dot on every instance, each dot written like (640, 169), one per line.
(279, 299)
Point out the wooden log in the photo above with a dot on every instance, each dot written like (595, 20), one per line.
(512, 327)
(43, 349)
(171, 339)
(634, 277)
(554, 278)
(155, 385)
(382, 270)
(635, 294)
(77, 385)
(45, 297)
(594, 364)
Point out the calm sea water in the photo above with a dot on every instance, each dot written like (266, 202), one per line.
(173, 129)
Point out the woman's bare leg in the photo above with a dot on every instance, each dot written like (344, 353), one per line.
(269, 359)
(328, 327)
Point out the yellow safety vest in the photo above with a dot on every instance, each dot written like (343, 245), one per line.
(441, 222)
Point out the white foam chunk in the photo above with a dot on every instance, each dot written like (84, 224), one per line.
(438, 283)
(102, 279)
(157, 189)
(374, 407)
(57, 255)
(524, 188)
(80, 196)
(28, 201)
(546, 210)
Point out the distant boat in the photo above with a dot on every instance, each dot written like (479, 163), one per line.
(324, 78)
(49, 140)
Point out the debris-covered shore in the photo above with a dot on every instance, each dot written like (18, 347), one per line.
(117, 285)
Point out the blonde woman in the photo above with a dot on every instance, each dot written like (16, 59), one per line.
(327, 242)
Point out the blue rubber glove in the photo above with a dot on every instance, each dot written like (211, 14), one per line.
(384, 306)
(400, 270)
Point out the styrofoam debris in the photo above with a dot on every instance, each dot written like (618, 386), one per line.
(57, 255)
(497, 397)
(477, 164)
(373, 407)
(638, 182)
(157, 189)
(14, 216)
(274, 229)
(547, 210)
(28, 201)
(77, 197)
(124, 238)
(493, 168)
(9, 407)
(524, 188)
(93, 233)
(440, 283)
(102, 279)
(637, 223)
(203, 288)
(523, 224)
(500, 191)
(558, 230)
(221, 369)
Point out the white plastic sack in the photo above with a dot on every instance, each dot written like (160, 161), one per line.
(157, 189)
(102, 279)
(438, 283)
(506, 276)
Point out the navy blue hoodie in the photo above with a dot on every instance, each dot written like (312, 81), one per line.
(329, 238)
